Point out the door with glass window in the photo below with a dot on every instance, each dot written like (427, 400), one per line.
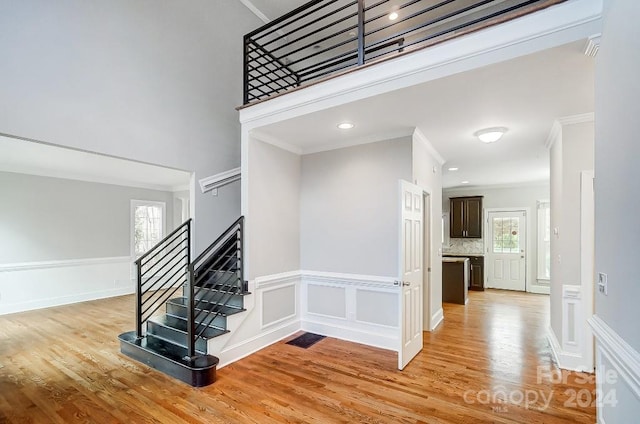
(506, 256)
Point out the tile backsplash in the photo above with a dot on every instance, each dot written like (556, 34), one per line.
(464, 246)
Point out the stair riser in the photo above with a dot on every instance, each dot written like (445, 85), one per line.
(159, 344)
(214, 296)
(181, 311)
(174, 335)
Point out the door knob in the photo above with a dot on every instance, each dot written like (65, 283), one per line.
(406, 283)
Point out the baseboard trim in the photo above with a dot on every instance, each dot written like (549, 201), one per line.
(64, 300)
(436, 319)
(539, 289)
(565, 360)
(625, 358)
(351, 334)
(247, 347)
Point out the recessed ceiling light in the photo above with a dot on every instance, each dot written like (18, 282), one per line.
(453, 169)
(345, 125)
(464, 182)
(393, 16)
(490, 135)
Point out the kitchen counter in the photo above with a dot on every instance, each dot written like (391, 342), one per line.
(462, 255)
(455, 280)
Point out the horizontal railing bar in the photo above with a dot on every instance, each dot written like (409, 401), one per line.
(225, 254)
(431, 22)
(184, 224)
(297, 18)
(167, 262)
(467, 24)
(266, 52)
(315, 42)
(412, 2)
(164, 246)
(204, 323)
(161, 302)
(330, 71)
(340, 44)
(353, 56)
(284, 17)
(268, 84)
(231, 228)
(161, 260)
(335, 60)
(163, 282)
(353, 15)
(252, 69)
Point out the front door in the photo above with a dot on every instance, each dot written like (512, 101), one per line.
(506, 256)
(411, 272)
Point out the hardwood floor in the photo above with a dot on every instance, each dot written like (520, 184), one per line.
(62, 365)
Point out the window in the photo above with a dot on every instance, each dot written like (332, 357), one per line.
(544, 240)
(506, 235)
(148, 225)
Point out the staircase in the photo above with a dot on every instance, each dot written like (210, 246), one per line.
(181, 304)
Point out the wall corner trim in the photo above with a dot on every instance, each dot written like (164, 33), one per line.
(418, 135)
(623, 355)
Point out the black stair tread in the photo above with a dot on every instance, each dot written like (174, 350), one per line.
(166, 350)
(180, 325)
(198, 371)
(204, 305)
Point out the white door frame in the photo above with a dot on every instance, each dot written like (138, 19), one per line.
(427, 242)
(486, 236)
(587, 266)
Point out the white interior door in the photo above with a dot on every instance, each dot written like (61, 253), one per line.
(411, 272)
(506, 256)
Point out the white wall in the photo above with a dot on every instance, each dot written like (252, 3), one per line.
(66, 241)
(149, 80)
(349, 208)
(617, 202)
(525, 196)
(273, 227)
(427, 173)
(571, 154)
(52, 219)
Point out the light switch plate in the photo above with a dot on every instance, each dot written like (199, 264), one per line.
(603, 283)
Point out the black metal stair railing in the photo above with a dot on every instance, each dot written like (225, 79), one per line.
(326, 37)
(216, 277)
(161, 272)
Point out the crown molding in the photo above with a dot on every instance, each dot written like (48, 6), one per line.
(419, 136)
(593, 45)
(576, 119)
(375, 138)
(252, 7)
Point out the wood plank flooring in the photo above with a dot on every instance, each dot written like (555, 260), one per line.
(62, 365)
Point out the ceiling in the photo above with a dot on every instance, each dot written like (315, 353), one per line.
(28, 157)
(525, 95)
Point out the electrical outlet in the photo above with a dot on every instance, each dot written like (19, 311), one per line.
(603, 283)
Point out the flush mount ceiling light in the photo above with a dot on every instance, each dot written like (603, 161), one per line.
(464, 182)
(490, 135)
(345, 125)
(393, 16)
(453, 169)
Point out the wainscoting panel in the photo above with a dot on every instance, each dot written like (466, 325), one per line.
(358, 308)
(35, 285)
(617, 376)
(278, 304)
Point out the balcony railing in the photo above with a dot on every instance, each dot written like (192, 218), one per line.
(323, 38)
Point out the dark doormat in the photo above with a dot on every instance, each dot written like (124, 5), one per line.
(306, 340)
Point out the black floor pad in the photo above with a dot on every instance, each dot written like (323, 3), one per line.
(306, 340)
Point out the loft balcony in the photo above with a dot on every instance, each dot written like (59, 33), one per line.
(326, 38)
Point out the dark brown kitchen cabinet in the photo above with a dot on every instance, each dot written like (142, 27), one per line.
(476, 282)
(465, 217)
